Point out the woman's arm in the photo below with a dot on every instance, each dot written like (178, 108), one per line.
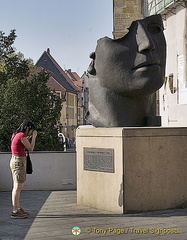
(29, 145)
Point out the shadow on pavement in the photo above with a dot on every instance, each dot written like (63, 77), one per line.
(160, 214)
(31, 201)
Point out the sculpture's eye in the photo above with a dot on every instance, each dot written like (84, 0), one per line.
(154, 28)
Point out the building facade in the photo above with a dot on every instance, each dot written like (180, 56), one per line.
(68, 85)
(124, 13)
(85, 94)
(173, 94)
(78, 83)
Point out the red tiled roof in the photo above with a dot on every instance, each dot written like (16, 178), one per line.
(74, 78)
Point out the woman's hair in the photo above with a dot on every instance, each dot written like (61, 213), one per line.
(24, 126)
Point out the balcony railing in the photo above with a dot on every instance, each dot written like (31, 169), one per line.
(159, 6)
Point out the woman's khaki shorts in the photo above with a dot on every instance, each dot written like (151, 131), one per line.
(18, 168)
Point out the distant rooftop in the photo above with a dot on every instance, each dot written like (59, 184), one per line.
(48, 62)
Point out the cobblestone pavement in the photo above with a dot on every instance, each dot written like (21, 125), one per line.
(53, 214)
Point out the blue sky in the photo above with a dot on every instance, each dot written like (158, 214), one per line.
(70, 28)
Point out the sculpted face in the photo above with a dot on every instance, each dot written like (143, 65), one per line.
(134, 65)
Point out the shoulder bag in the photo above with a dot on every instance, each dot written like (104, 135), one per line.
(29, 169)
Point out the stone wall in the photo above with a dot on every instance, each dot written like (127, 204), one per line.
(51, 171)
(125, 12)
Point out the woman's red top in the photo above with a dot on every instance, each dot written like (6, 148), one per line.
(17, 147)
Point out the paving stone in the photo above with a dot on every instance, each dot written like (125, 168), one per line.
(53, 214)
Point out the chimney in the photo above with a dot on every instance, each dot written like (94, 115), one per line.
(48, 50)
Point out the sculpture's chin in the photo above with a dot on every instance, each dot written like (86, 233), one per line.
(140, 89)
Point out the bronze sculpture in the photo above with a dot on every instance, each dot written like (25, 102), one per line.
(125, 74)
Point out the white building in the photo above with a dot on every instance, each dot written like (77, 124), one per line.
(173, 94)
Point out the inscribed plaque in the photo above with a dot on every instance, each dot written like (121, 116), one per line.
(99, 159)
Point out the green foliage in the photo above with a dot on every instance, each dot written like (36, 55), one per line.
(11, 64)
(25, 95)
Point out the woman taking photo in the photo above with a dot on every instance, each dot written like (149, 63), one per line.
(20, 142)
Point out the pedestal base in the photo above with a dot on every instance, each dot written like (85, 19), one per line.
(127, 170)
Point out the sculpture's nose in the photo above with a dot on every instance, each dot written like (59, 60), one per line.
(144, 40)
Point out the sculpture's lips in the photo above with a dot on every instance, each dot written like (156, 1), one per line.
(146, 66)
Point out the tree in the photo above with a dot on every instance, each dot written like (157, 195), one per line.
(25, 95)
(11, 64)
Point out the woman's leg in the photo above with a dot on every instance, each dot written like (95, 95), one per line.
(17, 187)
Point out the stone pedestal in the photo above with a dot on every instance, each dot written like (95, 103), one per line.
(127, 170)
